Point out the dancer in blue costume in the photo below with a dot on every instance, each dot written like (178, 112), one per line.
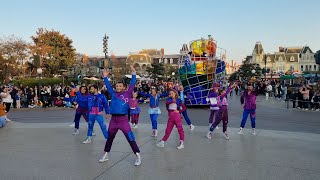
(154, 109)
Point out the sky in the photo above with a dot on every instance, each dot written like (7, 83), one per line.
(133, 25)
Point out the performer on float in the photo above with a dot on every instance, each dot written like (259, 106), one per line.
(248, 102)
(154, 109)
(183, 97)
(222, 113)
(82, 107)
(134, 110)
(212, 99)
(175, 107)
(96, 103)
(119, 109)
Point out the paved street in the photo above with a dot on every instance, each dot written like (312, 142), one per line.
(271, 115)
(40, 145)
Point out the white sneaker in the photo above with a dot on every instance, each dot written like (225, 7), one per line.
(104, 158)
(76, 132)
(210, 124)
(93, 133)
(161, 144)
(181, 146)
(138, 160)
(217, 127)
(226, 136)
(240, 131)
(152, 135)
(87, 141)
(135, 126)
(8, 120)
(155, 133)
(72, 125)
(191, 127)
(254, 132)
(306, 109)
(317, 109)
(209, 135)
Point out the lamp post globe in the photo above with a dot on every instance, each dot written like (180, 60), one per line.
(253, 71)
(173, 73)
(39, 71)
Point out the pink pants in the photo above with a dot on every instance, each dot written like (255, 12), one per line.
(174, 119)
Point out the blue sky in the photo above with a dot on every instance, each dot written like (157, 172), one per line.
(139, 24)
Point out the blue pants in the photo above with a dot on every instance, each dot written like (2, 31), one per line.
(154, 122)
(252, 118)
(99, 118)
(77, 119)
(186, 117)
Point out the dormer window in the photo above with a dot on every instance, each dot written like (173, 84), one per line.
(280, 58)
(268, 59)
(292, 59)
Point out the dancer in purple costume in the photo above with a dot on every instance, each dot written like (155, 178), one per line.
(212, 99)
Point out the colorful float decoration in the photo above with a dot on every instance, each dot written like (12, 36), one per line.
(200, 65)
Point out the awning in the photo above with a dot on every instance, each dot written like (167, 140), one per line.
(287, 77)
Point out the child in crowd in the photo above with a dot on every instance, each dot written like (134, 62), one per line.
(2, 114)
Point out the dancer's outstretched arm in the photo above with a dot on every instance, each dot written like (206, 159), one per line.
(106, 82)
(133, 80)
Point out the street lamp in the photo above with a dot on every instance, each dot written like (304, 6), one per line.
(173, 73)
(39, 71)
(105, 50)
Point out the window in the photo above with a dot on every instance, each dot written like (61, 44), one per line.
(160, 61)
(141, 58)
(301, 68)
(280, 58)
(171, 61)
(310, 68)
(291, 58)
(268, 59)
(166, 61)
(315, 67)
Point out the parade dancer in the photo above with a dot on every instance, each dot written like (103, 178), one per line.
(82, 107)
(96, 103)
(154, 109)
(119, 109)
(175, 107)
(134, 110)
(222, 113)
(248, 102)
(212, 99)
(183, 96)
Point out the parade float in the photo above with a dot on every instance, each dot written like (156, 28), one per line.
(200, 65)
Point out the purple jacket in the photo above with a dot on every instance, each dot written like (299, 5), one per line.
(249, 100)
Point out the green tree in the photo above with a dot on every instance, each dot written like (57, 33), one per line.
(55, 49)
(156, 70)
(246, 71)
(234, 76)
(15, 52)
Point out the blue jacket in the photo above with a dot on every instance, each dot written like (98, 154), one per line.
(119, 101)
(99, 101)
(82, 100)
(154, 101)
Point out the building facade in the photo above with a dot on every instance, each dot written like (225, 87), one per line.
(287, 59)
(232, 67)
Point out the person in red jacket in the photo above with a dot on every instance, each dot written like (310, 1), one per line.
(175, 107)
